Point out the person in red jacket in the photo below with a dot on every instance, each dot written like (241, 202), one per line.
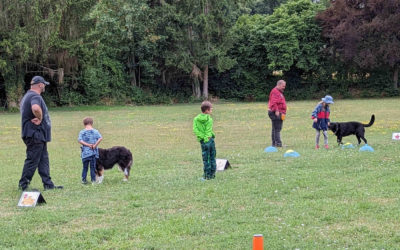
(277, 111)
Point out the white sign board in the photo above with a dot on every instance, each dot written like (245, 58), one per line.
(30, 199)
(396, 136)
(222, 164)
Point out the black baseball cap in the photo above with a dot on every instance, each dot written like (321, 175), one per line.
(39, 79)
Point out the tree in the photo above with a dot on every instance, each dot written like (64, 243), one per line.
(289, 39)
(293, 36)
(201, 37)
(265, 6)
(39, 37)
(364, 33)
(123, 45)
(25, 31)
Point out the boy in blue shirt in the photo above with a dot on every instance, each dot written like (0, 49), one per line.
(90, 139)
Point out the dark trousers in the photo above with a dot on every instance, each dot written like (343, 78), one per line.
(86, 161)
(208, 153)
(276, 129)
(37, 157)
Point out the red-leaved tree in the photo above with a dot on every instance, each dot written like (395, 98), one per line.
(365, 33)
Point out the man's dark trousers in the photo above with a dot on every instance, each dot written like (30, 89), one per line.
(276, 129)
(36, 158)
(208, 153)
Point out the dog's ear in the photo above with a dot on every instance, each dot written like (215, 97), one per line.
(337, 126)
(334, 126)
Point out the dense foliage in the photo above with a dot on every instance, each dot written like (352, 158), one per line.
(352, 28)
(162, 51)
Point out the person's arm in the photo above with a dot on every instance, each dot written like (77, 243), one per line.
(314, 114)
(197, 131)
(328, 112)
(97, 143)
(275, 99)
(82, 142)
(85, 144)
(37, 112)
(208, 130)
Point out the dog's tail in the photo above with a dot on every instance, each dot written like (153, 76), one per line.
(370, 122)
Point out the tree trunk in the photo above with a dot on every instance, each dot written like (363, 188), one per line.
(139, 76)
(396, 77)
(196, 75)
(196, 88)
(163, 79)
(132, 71)
(205, 82)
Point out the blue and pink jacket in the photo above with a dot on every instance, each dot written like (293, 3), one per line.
(322, 114)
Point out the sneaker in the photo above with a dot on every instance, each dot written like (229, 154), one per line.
(317, 147)
(53, 187)
(84, 182)
(326, 146)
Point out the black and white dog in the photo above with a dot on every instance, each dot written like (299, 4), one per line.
(111, 156)
(342, 129)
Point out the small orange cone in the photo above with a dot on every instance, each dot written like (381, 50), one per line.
(258, 242)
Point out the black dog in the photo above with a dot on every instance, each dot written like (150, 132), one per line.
(111, 156)
(341, 129)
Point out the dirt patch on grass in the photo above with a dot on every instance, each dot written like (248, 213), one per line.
(83, 224)
(383, 201)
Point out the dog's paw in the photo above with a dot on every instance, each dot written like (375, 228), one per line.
(100, 179)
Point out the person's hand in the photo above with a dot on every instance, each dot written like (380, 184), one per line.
(315, 119)
(277, 113)
(36, 121)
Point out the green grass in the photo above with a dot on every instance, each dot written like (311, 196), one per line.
(323, 199)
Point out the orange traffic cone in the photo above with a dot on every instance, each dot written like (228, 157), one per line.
(258, 242)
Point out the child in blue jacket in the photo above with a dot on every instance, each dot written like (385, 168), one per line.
(320, 116)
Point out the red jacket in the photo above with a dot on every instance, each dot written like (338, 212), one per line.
(277, 101)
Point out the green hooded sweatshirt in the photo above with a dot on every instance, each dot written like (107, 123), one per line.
(202, 127)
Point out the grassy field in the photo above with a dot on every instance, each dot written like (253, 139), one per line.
(325, 199)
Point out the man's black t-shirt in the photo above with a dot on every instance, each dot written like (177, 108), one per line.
(43, 130)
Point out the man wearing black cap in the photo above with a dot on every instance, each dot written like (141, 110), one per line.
(36, 132)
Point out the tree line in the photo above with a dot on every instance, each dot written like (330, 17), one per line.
(163, 51)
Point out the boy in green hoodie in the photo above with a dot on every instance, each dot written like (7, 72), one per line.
(203, 129)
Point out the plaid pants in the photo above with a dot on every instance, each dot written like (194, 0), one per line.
(208, 153)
